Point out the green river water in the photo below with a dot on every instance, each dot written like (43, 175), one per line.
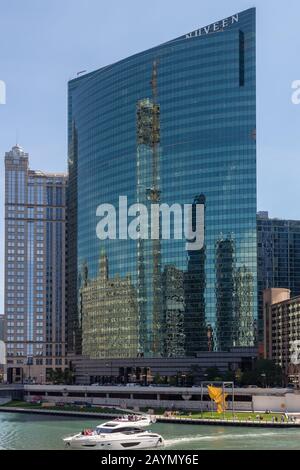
(30, 431)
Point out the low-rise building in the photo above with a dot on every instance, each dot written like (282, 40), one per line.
(169, 398)
(89, 370)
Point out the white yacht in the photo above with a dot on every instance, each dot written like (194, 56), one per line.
(120, 434)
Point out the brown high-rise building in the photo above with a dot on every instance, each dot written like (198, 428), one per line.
(34, 269)
(282, 330)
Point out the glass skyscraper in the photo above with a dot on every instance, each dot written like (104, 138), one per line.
(172, 125)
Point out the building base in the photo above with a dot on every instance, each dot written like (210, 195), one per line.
(147, 370)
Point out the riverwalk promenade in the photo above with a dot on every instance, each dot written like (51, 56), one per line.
(160, 419)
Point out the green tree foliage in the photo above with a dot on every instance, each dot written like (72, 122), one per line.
(59, 377)
(213, 373)
(264, 374)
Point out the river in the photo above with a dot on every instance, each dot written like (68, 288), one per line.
(30, 431)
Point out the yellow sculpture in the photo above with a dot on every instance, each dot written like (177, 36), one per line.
(219, 397)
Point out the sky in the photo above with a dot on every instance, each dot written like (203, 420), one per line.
(44, 43)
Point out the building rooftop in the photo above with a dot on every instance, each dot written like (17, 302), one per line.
(264, 215)
(46, 174)
(288, 301)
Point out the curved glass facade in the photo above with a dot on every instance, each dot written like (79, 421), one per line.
(176, 125)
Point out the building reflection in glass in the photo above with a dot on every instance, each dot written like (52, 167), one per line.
(244, 324)
(149, 251)
(174, 311)
(196, 338)
(225, 292)
(234, 299)
(109, 314)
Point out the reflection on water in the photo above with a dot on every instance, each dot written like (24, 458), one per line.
(26, 431)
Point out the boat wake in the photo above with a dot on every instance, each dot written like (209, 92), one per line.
(219, 437)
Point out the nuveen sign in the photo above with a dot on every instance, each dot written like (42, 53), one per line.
(214, 27)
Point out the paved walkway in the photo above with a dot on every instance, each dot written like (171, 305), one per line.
(159, 418)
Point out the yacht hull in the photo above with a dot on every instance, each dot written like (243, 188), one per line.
(97, 443)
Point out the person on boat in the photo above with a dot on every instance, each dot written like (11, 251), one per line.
(87, 432)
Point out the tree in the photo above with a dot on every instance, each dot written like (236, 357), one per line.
(173, 380)
(229, 376)
(68, 377)
(238, 376)
(213, 373)
(158, 379)
(265, 373)
(59, 377)
(194, 375)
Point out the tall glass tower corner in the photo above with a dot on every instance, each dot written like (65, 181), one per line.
(175, 124)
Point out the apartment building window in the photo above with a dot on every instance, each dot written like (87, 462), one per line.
(31, 194)
(21, 186)
(40, 194)
(30, 212)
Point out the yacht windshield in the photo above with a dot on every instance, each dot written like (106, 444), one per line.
(104, 430)
(126, 430)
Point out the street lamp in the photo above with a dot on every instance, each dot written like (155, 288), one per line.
(205, 377)
(29, 363)
(107, 365)
(144, 379)
(263, 375)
